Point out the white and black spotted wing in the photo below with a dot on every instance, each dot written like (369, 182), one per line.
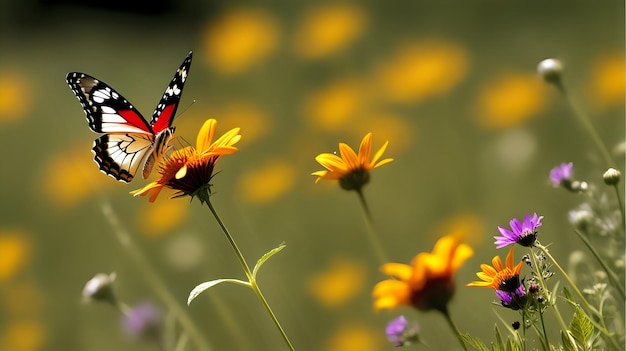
(128, 141)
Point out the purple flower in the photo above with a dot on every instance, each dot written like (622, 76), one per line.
(514, 300)
(143, 320)
(400, 332)
(524, 233)
(561, 174)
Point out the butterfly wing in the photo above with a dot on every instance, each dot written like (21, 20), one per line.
(161, 121)
(128, 139)
(164, 113)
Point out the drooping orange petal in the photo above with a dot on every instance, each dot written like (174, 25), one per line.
(488, 270)
(398, 270)
(153, 189)
(332, 162)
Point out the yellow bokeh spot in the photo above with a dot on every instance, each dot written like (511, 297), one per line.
(388, 126)
(328, 29)
(355, 337)
(238, 38)
(22, 336)
(161, 217)
(467, 226)
(419, 70)
(22, 299)
(71, 176)
(608, 80)
(341, 281)
(15, 250)
(253, 121)
(267, 182)
(510, 99)
(333, 106)
(14, 95)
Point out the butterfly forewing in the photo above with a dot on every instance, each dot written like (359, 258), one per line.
(165, 110)
(106, 110)
(128, 141)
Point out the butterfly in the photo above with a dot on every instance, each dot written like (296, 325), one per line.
(128, 141)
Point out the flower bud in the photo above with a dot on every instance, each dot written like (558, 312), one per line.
(611, 176)
(550, 70)
(100, 288)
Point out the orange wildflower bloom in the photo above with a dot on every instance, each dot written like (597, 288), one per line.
(351, 169)
(505, 278)
(189, 170)
(428, 282)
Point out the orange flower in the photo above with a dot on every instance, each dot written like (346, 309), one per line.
(499, 277)
(190, 169)
(428, 282)
(350, 169)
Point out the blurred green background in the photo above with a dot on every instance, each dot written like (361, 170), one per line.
(452, 86)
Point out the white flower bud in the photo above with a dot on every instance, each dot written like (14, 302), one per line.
(550, 70)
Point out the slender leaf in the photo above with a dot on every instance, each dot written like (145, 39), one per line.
(266, 257)
(206, 285)
(474, 342)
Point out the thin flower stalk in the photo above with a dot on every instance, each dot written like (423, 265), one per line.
(153, 279)
(372, 235)
(352, 171)
(251, 277)
(615, 281)
(583, 120)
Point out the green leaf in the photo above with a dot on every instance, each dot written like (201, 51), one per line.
(581, 327)
(200, 288)
(568, 343)
(474, 342)
(266, 257)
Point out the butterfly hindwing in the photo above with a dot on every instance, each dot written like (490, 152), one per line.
(121, 155)
(129, 142)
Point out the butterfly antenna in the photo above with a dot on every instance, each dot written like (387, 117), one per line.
(187, 108)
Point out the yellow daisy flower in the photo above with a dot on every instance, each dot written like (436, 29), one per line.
(351, 169)
(190, 169)
(500, 277)
(428, 282)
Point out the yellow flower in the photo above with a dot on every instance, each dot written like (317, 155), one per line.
(350, 169)
(428, 282)
(499, 277)
(190, 170)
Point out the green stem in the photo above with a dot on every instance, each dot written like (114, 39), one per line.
(621, 207)
(545, 340)
(153, 279)
(548, 296)
(612, 276)
(454, 328)
(567, 278)
(586, 123)
(371, 231)
(250, 276)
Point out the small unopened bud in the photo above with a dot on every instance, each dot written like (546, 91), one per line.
(550, 70)
(100, 288)
(611, 176)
